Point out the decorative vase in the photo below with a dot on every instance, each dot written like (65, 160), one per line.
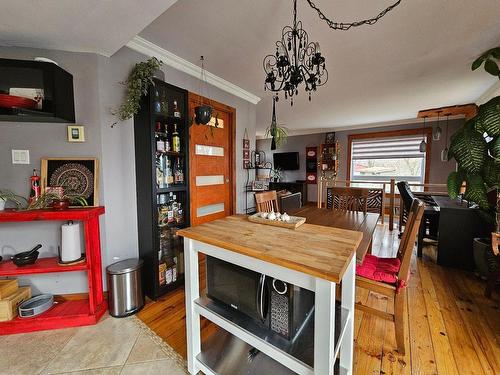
(60, 204)
(203, 114)
(2, 204)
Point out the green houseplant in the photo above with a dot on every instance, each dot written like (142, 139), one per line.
(138, 82)
(9, 196)
(56, 201)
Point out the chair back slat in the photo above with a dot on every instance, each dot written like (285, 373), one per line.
(409, 236)
(350, 198)
(266, 201)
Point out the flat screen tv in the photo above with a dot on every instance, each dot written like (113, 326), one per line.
(287, 161)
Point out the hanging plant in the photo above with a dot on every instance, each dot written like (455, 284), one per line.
(138, 83)
(203, 112)
(277, 133)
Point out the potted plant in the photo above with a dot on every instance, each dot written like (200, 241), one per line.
(9, 196)
(138, 82)
(476, 148)
(57, 201)
(276, 174)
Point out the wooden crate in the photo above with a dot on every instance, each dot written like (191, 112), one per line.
(7, 287)
(9, 305)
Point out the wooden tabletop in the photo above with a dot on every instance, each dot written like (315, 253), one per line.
(344, 220)
(319, 251)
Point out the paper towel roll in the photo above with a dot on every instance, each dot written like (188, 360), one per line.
(70, 243)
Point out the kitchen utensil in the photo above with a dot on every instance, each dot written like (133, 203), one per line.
(36, 305)
(27, 257)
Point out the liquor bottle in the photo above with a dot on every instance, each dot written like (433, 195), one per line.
(177, 113)
(168, 146)
(156, 102)
(174, 270)
(164, 104)
(169, 175)
(162, 210)
(178, 173)
(169, 272)
(161, 268)
(175, 207)
(160, 143)
(170, 205)
(179, 218)
(176, 140)
(160, 168)
(35, 187)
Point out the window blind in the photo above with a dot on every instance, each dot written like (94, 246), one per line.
(387, 148)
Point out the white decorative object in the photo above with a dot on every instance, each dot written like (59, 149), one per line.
(2, 204)
(264, 215)
(272, 216)
(71, 242)
(285, 217)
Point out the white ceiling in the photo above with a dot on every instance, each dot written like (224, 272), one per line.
(417, 57)
(101, 26)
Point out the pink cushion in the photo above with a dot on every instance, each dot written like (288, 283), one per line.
(379, 269)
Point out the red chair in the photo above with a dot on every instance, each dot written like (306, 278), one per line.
(389, 276)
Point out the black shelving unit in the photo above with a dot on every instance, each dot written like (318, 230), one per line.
(248, 187)
(155, 234)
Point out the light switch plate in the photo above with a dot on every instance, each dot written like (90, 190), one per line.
(20, 156)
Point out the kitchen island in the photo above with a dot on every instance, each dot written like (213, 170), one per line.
(311, 257)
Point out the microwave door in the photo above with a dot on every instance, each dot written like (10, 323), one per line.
(262, 298)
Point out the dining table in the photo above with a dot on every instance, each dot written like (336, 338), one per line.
(365, 223)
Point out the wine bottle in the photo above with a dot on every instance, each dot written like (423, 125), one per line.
(176, 140)
(168, 146)
(177, 112)
(170, 204)
(160, 168)
(156, 102)
(169, 176)
(160, 143)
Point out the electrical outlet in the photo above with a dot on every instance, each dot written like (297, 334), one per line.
(20, 156)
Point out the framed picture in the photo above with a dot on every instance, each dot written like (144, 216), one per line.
(76, 133)
(76, 176)
(330, 138)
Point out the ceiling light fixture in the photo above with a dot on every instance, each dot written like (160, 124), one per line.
(436, 135)
(298, 61)
(423, 144)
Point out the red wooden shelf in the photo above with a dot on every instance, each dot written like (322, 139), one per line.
(85, 213)
(67, 313)
(42, 265)
(61, 315)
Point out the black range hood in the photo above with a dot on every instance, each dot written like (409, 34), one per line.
(35, 91)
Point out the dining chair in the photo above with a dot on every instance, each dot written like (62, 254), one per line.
(389, 276)
(350, 198)
(266, 201)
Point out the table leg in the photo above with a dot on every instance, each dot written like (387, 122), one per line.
(348, 300)
(192, 293)
(324, 327)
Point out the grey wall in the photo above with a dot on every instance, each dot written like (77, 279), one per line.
(439, 170)
(296, 143)
(97, 90)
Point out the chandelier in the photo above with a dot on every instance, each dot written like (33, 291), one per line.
(298, 61)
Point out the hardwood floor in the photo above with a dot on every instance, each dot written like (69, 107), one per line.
(451, 327)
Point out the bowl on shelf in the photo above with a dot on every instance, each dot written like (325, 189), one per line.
(60, 204)
(27, 257)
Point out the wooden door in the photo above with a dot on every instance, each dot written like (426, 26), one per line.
(211, 155)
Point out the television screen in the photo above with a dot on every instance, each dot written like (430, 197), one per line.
(286, 161)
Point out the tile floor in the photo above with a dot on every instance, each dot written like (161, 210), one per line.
(112, 347)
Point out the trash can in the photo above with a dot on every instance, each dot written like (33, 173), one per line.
(125, 296)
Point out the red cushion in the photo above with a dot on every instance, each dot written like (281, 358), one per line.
(379, 269)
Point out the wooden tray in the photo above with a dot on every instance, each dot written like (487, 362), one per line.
(295, 221)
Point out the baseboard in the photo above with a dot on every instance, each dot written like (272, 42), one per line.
(74, 296)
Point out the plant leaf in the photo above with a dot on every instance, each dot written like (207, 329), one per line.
(495, 148)
(476, 191)
(455, 180)
(488, 117)
(491, 67)
(491, 173)
(478, 62)
(495, 52)
(469, 149)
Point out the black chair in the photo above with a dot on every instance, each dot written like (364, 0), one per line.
(429, 225)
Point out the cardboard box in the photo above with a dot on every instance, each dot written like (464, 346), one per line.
(7, 287)
(9, 305)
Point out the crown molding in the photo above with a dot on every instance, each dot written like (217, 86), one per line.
(148, 48)
(493, 91)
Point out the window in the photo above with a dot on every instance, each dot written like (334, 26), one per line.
(380, 158)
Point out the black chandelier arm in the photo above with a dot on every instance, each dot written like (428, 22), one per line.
(344, 26)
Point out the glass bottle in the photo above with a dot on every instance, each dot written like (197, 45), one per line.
(164, 104)
(156, 102)
(169, 272)
(179, 218)
(161, 268)
(177, 112)
(169, 175)
(176, 140)
(160, 143)
(168, 146)
(160, 168)
(170, 205)
(178, 173)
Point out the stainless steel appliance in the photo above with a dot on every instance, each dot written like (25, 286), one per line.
(125, 295)
(272, 303)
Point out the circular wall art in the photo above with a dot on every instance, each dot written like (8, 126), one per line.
(76, 179)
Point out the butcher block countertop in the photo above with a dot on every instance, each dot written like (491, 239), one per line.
(319, 251)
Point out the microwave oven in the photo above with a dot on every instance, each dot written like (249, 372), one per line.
(279, 306)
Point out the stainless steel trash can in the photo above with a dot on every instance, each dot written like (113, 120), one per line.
(125, 296)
